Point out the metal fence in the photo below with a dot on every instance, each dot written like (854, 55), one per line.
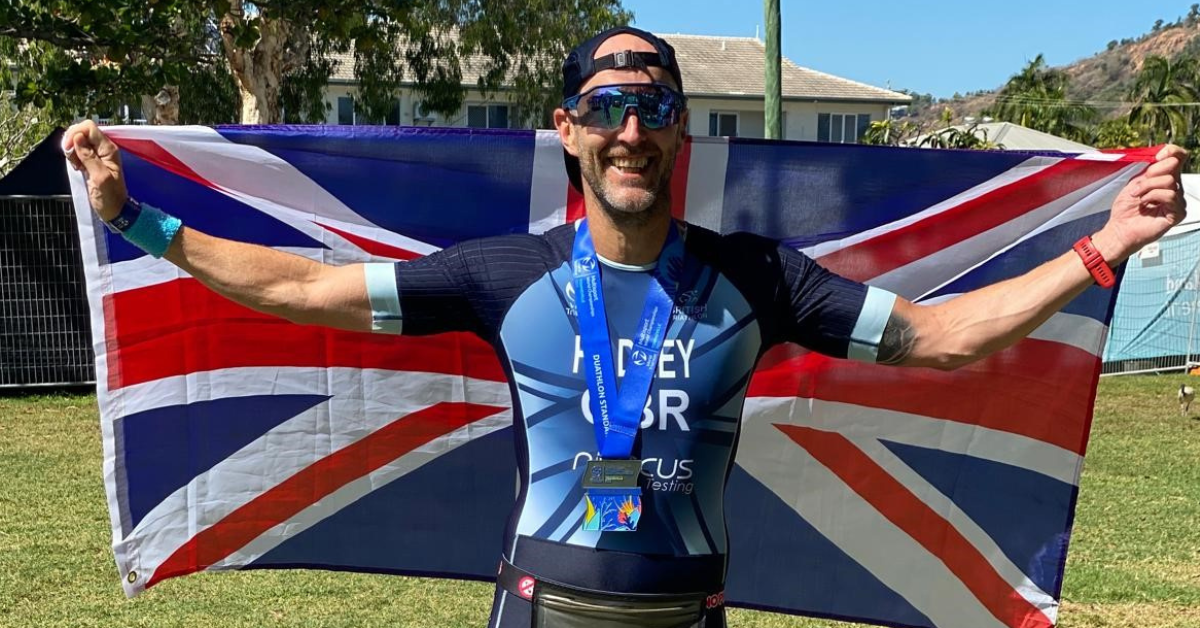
(45, 334)
(1154, 327)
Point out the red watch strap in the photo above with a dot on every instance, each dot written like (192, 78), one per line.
(1094, 261)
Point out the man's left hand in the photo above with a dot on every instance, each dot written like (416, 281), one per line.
(1146, 208)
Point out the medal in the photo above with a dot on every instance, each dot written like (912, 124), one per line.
(612, 498)
(611, 495)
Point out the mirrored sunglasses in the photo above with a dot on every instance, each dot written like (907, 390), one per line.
(605, 106)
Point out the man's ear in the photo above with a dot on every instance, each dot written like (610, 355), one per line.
(566, 131)
(683, 124)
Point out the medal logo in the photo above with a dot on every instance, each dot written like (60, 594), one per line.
(585, 265)
(639, 357)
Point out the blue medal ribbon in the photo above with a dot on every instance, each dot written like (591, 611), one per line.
(617, 409)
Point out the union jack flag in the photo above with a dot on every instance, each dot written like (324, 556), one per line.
(905, 497)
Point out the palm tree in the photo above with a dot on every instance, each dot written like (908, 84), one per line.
(1165, 94)
(1037, 98)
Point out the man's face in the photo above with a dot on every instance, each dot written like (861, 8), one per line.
(628, 169)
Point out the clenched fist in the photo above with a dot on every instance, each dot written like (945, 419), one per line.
(89, 150)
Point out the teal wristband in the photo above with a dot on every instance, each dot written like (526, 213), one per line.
(153, 230)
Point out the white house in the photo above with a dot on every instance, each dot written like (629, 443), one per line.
(722, 77)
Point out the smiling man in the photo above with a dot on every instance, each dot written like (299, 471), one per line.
(648, 327)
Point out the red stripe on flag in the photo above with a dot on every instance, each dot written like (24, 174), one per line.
(1037, 388)
(161, 157)
(900, 506)
(316, 482)
(182, 327)
(374, 247)
(893, 249)
(575, 208)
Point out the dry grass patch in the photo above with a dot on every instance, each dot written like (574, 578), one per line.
(1129, 615)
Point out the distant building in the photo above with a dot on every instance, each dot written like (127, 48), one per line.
(722, 77)
(1012, 136)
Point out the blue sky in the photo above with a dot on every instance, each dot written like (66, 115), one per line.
(930, 46)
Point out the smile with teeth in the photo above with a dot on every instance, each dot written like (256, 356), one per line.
(629, 164)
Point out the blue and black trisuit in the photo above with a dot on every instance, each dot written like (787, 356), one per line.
(746, 294)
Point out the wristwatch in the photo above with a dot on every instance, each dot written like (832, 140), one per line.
(1094, 261)
(125, 219)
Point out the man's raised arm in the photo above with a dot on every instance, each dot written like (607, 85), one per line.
(969, 327)
(285, 285)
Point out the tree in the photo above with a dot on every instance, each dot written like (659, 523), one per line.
(279, 53)
(889, 132)
(971, 137)
(1157, 26)
(21, 129)
(94, 57)
(1117, 133)
(1037, 98)
(1163, 95)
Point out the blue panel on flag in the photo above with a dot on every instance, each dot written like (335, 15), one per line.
(415, 177)
(445, 518)
(791, 559)
(200, 207)
(1093, 303)
(165, 448)
(1026, 513)
(840, 190)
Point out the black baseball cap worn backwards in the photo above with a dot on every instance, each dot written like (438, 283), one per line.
(581, 65)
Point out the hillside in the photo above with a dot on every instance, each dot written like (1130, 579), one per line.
(1102, 79)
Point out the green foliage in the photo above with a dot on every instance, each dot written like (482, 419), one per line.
(1118, 133)
(89, 57)
(1163, 95)
(1037, 98)
(971, 137)
(21, 128)
(430, 44)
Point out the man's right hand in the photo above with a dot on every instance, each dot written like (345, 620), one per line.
(89, 150)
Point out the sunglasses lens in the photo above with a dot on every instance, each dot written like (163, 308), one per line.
(657, 106)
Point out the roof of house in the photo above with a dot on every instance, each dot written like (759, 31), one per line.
(720, 67)
(1013, 136)
(1191, 193)
(735, 66)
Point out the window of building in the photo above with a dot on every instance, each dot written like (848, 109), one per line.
(842, 128)
(488, 116)
(723, 124)
(345, 110)
(347, 113)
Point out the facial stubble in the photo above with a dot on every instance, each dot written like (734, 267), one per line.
(660, 195)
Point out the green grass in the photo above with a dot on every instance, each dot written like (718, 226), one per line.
(1134, 559)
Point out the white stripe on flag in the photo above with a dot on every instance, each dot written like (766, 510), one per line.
(861, 531)
(856, 422)
(356, 490)
(240, 167)
(381, 398)
(959, 520)
(930, 273)
(1025, 169)
(548, 185)
(706, 181)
